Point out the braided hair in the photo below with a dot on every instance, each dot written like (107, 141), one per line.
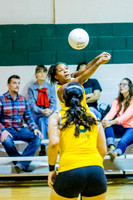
(76, 114)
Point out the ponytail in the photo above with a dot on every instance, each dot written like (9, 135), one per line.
(76, 113)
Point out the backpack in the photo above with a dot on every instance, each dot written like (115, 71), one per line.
(104, 109)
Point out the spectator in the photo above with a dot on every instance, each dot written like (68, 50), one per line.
(92, 92)
(13, 110)
(42, 101)
(119, 120)
(73, 132)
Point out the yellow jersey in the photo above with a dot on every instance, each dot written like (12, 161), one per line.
(81, 151)
(83, 102)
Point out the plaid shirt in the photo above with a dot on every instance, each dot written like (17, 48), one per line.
(14, 112)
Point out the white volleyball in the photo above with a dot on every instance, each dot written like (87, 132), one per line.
(78, 38)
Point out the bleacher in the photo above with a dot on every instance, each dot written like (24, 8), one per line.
(7, 168)
(122, 165)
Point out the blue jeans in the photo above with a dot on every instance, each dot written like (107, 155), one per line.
(96, 112)
(23, 134)
(42, 122)
(118, 131)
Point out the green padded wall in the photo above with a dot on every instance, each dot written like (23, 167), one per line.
(47, 43)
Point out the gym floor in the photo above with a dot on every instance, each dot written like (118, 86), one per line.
(119, 188)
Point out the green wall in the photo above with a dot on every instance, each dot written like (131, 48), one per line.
(47, 43)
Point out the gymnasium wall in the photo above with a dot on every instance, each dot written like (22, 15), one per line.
(35, 32)
(87, 11)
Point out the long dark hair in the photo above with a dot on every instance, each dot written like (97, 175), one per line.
(128, 98)
(76, 113)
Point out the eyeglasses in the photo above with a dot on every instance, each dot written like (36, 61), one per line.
(123, 84)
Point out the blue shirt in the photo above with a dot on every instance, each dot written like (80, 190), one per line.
(33, 95)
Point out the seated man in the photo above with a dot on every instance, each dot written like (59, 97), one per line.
(42, 101)
(92, 92)
(13, 111)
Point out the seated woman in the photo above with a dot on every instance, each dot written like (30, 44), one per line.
(119, 120)
(81, 143)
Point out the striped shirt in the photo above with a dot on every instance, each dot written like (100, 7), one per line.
(14, 112)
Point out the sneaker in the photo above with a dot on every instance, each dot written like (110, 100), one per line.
(29, 168)
(112, 155)
(18, 168)
(111, 147)
(42, 152)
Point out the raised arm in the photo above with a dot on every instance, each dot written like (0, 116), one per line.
(88, 66)
(88, 71)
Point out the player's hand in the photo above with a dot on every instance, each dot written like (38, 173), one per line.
(51, 178)
(103, 59)
(4, 135)
(104, 54)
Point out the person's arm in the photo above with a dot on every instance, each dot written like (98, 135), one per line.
(113, 111)
(28, 117)
(53, 146)
(2, 128)
(60, 92)
(86, 74)
(93, 97)
(108, 123)
(89, 65)
(101, 142)
(3, 132)
(32, 101)
(89, 71)
(81, 71)
(52, 99)
(108, 119)
(123, 118)
(53, 133)
(126, 115)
